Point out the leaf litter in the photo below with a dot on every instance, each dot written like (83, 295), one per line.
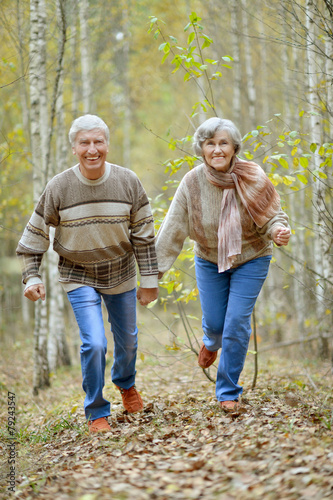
(278, 445)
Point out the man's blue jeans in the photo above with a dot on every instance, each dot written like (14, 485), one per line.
(87, 306)
(227, 301)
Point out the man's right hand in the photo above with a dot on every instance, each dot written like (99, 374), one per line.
(35, 292)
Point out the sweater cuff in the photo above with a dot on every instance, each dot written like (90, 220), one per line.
(149, 281)
(34, 280)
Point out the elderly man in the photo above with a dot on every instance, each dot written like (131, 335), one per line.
(103, 227)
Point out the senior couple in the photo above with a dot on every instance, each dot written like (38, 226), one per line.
(104, 228)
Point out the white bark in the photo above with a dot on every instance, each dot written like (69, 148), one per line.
(23, 86)
(73, 51)
(41, 370)
(85, 56)
(250, 85)
(329, 82)
(236, 98)
(42, 81)
(57, 347)
(321, 241)
(264, 72)
(126, 94)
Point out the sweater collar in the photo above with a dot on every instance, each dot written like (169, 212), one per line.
(89, 182)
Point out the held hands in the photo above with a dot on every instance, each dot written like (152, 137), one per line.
(35, 292)
(281, 236)
(146, 295)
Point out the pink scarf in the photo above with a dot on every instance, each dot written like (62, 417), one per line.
(257, 194)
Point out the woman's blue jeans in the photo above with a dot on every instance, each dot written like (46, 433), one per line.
(87, 306)
(227, 301)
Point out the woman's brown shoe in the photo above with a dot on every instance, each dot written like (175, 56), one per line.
(206, 358)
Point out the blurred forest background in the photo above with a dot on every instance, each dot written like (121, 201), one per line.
(154, 71)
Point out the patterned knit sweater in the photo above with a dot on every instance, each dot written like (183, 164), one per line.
(102, 228)
(195, 212)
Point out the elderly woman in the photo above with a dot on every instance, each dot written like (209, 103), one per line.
(232, 211)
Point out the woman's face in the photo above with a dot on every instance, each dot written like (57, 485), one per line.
(219, 151)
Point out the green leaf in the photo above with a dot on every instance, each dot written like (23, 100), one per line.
(206, 44)
(304, 162)
(165, 57)
(287, 180)
(194, 17)
(248, 155)
(302, 179)
(190, 39)
(313, 147)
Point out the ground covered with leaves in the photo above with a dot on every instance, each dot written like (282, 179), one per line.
(279, 445)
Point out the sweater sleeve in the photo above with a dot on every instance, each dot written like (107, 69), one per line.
(35, 239)
(281, 219)
(143, 237)
(173, 231)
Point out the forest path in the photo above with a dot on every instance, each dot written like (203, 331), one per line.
(279, 446)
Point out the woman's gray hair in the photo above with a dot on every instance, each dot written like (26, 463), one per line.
(208, 129)
(87, 122)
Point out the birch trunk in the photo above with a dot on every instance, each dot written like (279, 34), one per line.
(73, 52)
(126, 94)
(289, 59)
(236, 98)
(321, 243)
(329, 79)
(58, 352)
(250, 85)
(23, 87)
(85, 59)
(41, 369)
(264, 72)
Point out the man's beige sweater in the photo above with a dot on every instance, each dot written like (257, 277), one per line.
(194, 213)
(102, 228)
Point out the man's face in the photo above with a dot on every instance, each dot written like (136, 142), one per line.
(91, 149)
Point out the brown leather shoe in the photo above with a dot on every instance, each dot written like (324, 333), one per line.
(229, 406)
(131, 399)
(206, 358)
(99, 425)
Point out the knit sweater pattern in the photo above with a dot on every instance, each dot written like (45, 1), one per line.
(195, 212)
(102, 229)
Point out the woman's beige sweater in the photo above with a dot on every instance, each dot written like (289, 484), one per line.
(194, 213)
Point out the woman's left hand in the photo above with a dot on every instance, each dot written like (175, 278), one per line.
(281, 236)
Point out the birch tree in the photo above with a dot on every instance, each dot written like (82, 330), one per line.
(250, 84)
(85, 56)
(236, 98)
(37, 30)
(321, 245)
(58, 352)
